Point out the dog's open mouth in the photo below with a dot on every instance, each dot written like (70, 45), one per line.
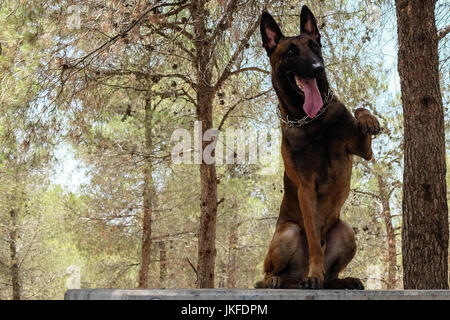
(308, 88)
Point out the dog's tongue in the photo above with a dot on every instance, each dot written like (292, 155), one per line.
(313, 100)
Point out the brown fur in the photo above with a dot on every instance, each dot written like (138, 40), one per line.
(311, 245)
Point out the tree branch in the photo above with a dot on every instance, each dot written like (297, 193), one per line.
(220, 201)
(142, 74)
(370, 194)
(248, 69)
(225, 116)
(175, 10)
(227, 71)
(443, 32)
(226, 20)
(177, 43)
(159, 238)
(174, 27)
(117, 36)
(189, 97)
(192, 266)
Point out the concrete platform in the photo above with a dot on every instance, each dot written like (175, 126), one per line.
(252, 294)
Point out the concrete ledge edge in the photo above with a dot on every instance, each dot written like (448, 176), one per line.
(253, 294)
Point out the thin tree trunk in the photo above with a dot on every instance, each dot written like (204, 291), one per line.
(208, 198)
(14, 268)
(147, 202)
(385, 196)
(221, 277)
(425, 212)
(233, 241)
(207, 229)
(392, 247)
(162, 263)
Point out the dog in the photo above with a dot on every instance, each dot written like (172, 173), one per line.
(311, 245)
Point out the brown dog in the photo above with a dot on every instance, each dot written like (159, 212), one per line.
(311, 245)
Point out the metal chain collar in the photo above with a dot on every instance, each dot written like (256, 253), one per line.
(305, 120)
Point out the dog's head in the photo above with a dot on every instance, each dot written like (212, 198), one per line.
(298, 71)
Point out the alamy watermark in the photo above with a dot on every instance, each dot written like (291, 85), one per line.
(235, 146)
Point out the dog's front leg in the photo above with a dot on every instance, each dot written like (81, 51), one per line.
(365, 125)
(307, 200)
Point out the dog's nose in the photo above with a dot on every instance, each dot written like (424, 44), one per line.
(317, 67)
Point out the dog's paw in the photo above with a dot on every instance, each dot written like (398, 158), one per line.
(273, 282)
(355, 284)
(312, 283)
(368, 123)
(348, 283)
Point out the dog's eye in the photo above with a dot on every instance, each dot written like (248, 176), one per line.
(313, 45)
(292, 51)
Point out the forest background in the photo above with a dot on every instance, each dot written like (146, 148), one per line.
(91, 93)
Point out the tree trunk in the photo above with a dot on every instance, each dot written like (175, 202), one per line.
(14, 268)
(385, 195)
(162, 263)
(207, 229)
(392, 246)
(147, 202)
(233, 241)
(425, 213)
(208, 197)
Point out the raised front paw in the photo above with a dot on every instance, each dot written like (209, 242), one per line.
(367, 122)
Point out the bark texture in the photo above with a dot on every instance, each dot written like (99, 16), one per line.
(208, 197)
(425, 212)
(392, 247)
(232, 263)
(147, 202)
(14, 267)
(162, 263)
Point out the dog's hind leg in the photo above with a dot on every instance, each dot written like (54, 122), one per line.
(283, 259)
(340, 250)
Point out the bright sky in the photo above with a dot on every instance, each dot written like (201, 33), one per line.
(69, 172)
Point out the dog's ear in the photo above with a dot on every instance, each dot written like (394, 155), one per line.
(308, 24)
(270, 32)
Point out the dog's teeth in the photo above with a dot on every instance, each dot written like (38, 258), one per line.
(299, 84)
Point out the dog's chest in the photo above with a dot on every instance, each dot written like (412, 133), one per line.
(324, 156)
